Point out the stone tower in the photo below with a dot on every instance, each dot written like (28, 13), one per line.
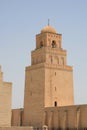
(49, 80)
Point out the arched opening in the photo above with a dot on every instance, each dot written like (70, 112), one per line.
(41, 44)
(62, 61)
(54, 44)
(55, 103)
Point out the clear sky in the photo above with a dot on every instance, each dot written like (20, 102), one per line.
(21, 20)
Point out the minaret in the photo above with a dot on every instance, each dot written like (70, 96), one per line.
(49, 80)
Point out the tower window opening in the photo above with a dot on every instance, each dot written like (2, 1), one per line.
(41, 44)
(55, 103)
(62, 60)
(54, 44)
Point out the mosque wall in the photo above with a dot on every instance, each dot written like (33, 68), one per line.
(16, 128)
(66, 117)
(17, 117)
(5, 102)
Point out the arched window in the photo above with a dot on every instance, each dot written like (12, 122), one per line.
(62, 60)
(54, 44)
(55, 103)
(41, 44)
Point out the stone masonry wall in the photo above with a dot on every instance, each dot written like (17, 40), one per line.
(66, 117)
(5, 102)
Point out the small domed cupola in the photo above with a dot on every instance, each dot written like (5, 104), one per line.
(48, 29)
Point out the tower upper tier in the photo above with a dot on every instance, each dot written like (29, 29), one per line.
(48, 37)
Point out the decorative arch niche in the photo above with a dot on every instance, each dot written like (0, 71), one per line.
(54, 45)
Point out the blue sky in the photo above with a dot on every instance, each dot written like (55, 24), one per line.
(21, 20)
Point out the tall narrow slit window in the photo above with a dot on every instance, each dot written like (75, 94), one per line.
(55, 103)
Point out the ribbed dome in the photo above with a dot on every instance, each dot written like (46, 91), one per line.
(48, 29)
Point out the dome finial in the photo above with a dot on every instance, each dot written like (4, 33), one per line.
(48, 22)
(48, 29)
